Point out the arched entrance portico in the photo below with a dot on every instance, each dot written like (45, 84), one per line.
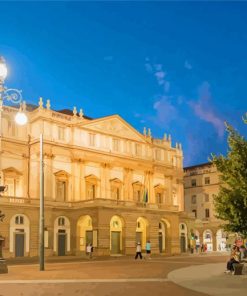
(19, 235)
(84, 232)
(61, 236)
(183, 236)
(197, 240)
(141, 231)
(163, 235)
(208, 240)
(116, 241)
(221, 240)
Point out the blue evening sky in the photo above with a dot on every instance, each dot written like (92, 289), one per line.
(177, 68)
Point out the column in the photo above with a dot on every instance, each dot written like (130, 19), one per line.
(168, 180)
(82, 181)
(75, 180)
(180, 195)
(48, 178)
(127, 184)
(151, 187)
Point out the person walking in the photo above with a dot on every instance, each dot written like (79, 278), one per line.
(89, 250)
(148, 250)
(138, 250)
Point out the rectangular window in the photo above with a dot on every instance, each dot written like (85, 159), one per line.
(193, 199)
(61, 190)
(158, 154)
(207, 213)
(207, 180)
(159, 198)
(195, 213)
(115, 192)
(61, 133)
(193, 182)
(206, 196)
(12, 129)
(91, 139)
(138, 149)
(11, 183)
(91, 191)
(115, 144)
(137, 195)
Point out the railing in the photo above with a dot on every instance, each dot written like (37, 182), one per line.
(13, 200)
(88, 203)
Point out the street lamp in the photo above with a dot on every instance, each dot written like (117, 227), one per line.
(14, 96)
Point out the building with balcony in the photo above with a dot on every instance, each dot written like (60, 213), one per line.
(104, 183)
(201, 183)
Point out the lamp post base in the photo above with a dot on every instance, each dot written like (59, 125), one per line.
(3, 266)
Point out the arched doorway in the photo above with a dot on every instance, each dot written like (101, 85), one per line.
(221, 240)
(208, 240)
(116, 227)
(183, 236)
(61, 236)
(19, 235)
(197, 240)
(84, 232)
(141, 231)
(162, 236)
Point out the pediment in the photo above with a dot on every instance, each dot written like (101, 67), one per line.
(115, 126)
(11, 171)
(62, 174)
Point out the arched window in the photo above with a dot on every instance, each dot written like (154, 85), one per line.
(61, 221)
(19, 220)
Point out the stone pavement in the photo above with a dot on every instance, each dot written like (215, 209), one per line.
(178, 275)
(210, 279)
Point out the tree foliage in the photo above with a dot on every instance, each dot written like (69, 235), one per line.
(231, 202)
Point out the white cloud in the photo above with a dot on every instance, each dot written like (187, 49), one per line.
(165, 111)
(203, 109)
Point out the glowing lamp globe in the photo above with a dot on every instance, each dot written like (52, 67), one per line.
(3, 69)
(21, 118)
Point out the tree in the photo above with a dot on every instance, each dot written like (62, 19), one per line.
(231, 202)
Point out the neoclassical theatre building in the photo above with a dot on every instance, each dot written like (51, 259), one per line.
(104, 183)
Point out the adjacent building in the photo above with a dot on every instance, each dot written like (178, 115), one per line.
(201, 183)
(104, 183)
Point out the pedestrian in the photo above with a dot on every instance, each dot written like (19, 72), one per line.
(138, 250)
(197, 247)
(202, 248)
(89, 250)
(148, 250)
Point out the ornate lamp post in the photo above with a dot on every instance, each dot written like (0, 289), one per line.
(3, 265)
(14, 96)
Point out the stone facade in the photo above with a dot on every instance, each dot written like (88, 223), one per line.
(104, 183)
(201, 183)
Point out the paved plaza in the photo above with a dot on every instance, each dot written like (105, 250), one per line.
(181, 275)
